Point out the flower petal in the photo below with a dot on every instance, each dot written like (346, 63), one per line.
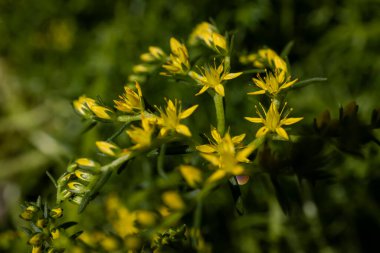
(259, 92)
(262, 131)
(188, 112)
(206, 148)
(230, 76)
(216, 176)
(215, 134)
(204, 88)
(255, 120)
(219, 89)
(290, 121)
(212, 159)
(184, 130)
(281, 132)
(237, 139)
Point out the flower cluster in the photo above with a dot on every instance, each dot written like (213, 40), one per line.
(180, 170)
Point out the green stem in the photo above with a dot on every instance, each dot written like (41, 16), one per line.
(219, 107)
(160, 161)
(197, 221)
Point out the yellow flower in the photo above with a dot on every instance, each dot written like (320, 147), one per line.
(192, 175)
(222, 153)
(179, 59)
(208, 34)
(83, 104)
(212, 77)
(216, 145)
(272, 83)
(273, 122)
(130, 101)
(122, 219)
(266, 58)
(142, 137)
(202, 32)
(169, 119)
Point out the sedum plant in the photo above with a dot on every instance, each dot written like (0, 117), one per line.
(164, 213)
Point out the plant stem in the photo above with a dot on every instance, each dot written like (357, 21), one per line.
(160, 161)
(219, 107)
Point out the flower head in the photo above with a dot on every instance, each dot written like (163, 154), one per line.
(273, 83)
(226, 154)
(88, 108)
(142, 137)
(208, 34)
(213, 77)
(273, 121)
(266, 58)
(170, 118)
(179, 59)
(131, 101)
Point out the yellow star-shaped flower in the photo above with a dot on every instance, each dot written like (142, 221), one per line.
(213, 77)
(170, 118)
(131, 101)
(272, 83)
(273, 122)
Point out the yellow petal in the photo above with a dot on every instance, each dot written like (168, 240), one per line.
(237, 170)
(281, 132)
(192, 175)
(237, 139)
(204, 88)
(107, 148)
(188, 112)
(215, 134)
(255, 120)
(230, 76)
(175, 45)
(219, 41)
(212, 159)
(101, 111)
(290, 121)
(206, 148)
(288, 84)
(184, 130)
(259, 92)
(216, 176)
(262, 131)
(219, 89)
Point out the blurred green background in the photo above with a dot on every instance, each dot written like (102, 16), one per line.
(51, 52)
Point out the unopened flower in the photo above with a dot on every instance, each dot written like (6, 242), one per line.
(178, 62)
(213, 77)
(173, 200)
(154, 54)
(108, 148)
(266, 58)
(83, 104)
(170, 118)
(209, 35)
(273, 83)
(273, 121)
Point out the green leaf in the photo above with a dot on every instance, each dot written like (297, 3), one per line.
(285, 52)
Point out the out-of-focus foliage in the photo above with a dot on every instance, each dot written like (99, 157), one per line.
(53, 51)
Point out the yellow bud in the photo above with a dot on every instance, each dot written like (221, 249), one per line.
(101, 111)
(107, 148)
(36, 239)
(54, 233)
(56, 212)
(173, 200)
(146, 218)
(85, 162)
